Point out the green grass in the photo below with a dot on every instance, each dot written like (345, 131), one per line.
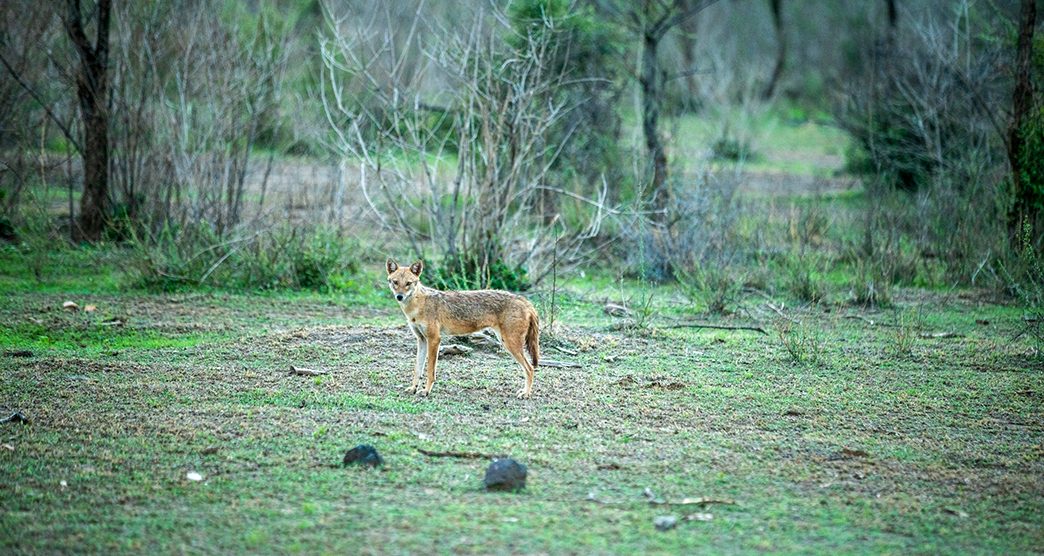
(197, 381)
(91, 338)
(782, 142)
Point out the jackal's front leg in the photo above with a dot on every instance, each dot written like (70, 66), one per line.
(433, 340)
(422, 350)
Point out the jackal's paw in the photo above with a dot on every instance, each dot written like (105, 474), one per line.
(522, 394)
(425, 393)
(411, 389)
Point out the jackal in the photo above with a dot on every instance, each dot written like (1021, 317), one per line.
(430, 313)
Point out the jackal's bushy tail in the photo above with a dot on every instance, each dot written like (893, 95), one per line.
(533, 338)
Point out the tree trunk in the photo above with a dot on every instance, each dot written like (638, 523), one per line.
(92, 89)
(1022, 103)
(650, 87)
(94, 203)
(687, 46)
(781, 48)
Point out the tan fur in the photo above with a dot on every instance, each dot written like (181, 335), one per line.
(431, 313)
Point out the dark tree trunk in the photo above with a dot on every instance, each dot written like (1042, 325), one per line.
(650, 86)
(92, 90)
(781, 48)
(1022, 102)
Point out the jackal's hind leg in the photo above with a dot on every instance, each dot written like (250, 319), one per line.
(514, 347)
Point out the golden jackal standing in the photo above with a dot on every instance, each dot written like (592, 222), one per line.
(431, 313)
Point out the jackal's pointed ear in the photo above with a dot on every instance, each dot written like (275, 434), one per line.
(392, 265)
(417, 267)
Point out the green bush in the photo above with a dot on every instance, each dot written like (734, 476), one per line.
(285, 257)
(715, 287)
(802, 342)
(870, 286)
(469, 273)
(803, 279)
(1024, 277)
(888, 144)
(1032, 159)
(585, 48)
(731, 148)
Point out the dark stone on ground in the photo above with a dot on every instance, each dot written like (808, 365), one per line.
(363, 454)
(505, 474)
(18, 353)
(15, 417)
(665, 522)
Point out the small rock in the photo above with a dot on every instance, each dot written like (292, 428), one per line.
(505, 474)
(193, 476)
(15, 417)
(665, 522)
(363, 454)
(70, 306)
(89, 309)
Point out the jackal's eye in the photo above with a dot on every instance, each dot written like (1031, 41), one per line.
(395, 282)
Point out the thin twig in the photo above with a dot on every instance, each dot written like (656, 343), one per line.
(871, 322)
(716, 326)
(455, 454)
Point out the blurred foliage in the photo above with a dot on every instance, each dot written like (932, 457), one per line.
(285, 257)
(468, 273)
(586, 49)
(1032, 157)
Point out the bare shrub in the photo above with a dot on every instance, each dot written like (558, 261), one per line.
(458, 172)
(925, 121)
(192, 95)
(1024, 279)
(715, 287)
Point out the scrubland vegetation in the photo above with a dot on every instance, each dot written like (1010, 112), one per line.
(787, 253)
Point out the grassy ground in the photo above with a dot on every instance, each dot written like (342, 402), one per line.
(829, 434)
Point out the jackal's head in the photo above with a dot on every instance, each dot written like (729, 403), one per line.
(404, 280)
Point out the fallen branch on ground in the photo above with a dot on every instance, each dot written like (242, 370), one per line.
(615, 310)
(779, 311)
(454, 349)
(935, 335)
(482, 338)
(305, 372)
(871, 322)
(652, 499)
(716, 326)
(461, 455)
